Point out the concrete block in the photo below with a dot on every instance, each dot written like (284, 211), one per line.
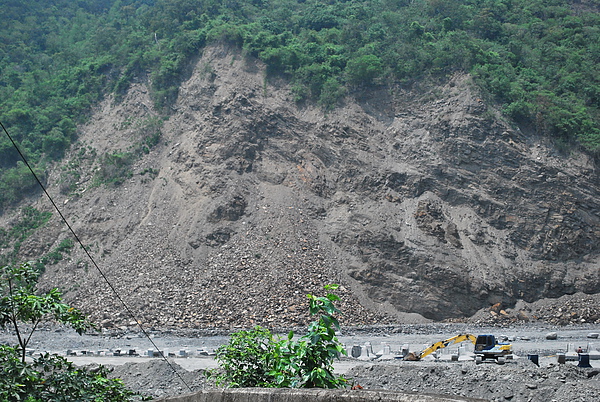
(584, 360)
(364, 353)
(404, 350)
(386, 352)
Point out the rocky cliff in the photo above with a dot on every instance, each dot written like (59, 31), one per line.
(421, 201)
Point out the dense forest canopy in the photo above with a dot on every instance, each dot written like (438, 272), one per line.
(538, 59)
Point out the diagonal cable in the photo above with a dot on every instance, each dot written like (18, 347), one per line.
(112, 288)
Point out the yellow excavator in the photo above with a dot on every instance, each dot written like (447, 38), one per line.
(486, 347)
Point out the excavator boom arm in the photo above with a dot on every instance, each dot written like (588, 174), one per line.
(445, 343)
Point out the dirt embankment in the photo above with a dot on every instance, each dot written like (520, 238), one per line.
(421, 201)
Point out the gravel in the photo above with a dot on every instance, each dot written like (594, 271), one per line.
(517, 380)
(520, 380)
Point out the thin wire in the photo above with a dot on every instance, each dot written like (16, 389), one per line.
(129, 311)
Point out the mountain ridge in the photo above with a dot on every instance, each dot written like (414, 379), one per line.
(424, 205)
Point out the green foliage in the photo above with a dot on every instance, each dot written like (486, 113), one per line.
(364, 69)
(257, 359)
(308, 362)
(56, 255)
(28, 221)
(20, 303)
(537, 58)
(47, 377)
(115, 168)
(246, 360)
(150, 132)
(52, 378)
(16, 182)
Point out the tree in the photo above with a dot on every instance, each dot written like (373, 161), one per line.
(257, 359)
(47, 377)
(20, 304)
(364, 69)
(308, 362)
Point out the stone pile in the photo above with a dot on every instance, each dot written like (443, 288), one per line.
(519, 380)
(575, 309)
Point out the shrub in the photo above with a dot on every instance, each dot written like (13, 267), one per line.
(247, 359)
(52, 378)
(256, 359)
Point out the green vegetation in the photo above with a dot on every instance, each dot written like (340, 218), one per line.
(257, 359)
(53, 378)
(28, 221)
(20, 303)
(11, 239)
(537, 58)
(56, 254)
(47, 377)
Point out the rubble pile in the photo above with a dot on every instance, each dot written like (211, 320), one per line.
(417, 199)
(519, 380)
(578, 308)
(156, 378)
(570, 309)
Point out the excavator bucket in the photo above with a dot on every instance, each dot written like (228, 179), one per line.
(411, 356)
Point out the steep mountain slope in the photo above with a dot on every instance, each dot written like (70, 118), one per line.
(422, 202)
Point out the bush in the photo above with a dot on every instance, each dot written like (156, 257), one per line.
(247, 359)
(52, 378)
(256, 359)
(115, 168)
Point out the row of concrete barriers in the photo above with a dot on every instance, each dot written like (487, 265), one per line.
(308, 395)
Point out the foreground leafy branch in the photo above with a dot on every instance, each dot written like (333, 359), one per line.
(52, 378)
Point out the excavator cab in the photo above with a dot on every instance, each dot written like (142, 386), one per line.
(485, 342)
(486, 347)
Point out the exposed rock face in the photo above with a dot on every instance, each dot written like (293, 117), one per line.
(421, 203)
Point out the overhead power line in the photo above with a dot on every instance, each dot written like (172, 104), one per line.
(110, 285)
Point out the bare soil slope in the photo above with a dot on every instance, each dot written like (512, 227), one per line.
(422, 202)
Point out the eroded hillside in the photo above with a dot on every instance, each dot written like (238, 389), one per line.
(422, 204)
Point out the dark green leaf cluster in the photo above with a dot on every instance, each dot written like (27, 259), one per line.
(52, 378)
(257, 359)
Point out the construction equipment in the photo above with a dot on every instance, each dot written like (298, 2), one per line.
(486, 347)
